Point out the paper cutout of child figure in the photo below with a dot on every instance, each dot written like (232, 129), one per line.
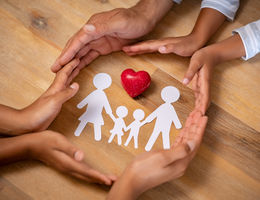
(121, 112)
(165, 115)
(96, 101)
(135, 127)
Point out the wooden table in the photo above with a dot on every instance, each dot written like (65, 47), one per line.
(32, 34)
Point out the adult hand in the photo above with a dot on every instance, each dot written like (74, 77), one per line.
(156, 167)
(102, 46)
(115, 28)
(56, 151)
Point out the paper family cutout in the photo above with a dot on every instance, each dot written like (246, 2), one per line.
(96, 101)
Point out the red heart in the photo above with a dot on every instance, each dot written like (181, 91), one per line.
(135, 83)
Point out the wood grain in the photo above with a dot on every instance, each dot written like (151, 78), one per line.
(32, 34)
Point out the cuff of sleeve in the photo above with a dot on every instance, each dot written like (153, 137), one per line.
(222, 6)
(249, 35)
(177, 1)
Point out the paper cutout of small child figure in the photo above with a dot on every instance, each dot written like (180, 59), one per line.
(121, 112)
(135, 126)
(96, 101)
(165, 115)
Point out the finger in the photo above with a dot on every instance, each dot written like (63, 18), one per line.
(67, 93)
(171, 48)
(87, 59)
(88, 32)
(82, 52)
(112, 177)
(179, 152)
(205, 88)
(178, 140)
(195, 86)
(72, 76)
(61, 78)
(82, 37)
(56, 66)
(70, 166)
(144, 47)
(63, 74)
(196, 139)
(194, 131)
(68, 148)
(192, 70)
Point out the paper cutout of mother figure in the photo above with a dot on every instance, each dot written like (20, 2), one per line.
(96, 102)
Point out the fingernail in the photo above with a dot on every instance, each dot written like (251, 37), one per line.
(162, 49)
(191, 145)
(185, 81)
(73, 86)
(79, 155)
(89, 27)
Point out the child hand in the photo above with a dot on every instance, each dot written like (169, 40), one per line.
(200, 70)
(182, 46)
(156, 167)
(44, 110)
(56, 151)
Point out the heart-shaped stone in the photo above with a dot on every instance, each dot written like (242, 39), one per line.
(135, 83)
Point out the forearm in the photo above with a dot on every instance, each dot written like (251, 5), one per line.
(208, 22)
(153, 10)
(11, 122)
(228, 49)
(14, 149)
(122, 189)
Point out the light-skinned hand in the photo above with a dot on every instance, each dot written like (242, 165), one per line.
(153, 168)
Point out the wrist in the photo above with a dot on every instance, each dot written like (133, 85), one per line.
(31, 145)
(213, 53)
(152, 10)
(25, 145)
(197, 39)
(124, 188)
(25, 121)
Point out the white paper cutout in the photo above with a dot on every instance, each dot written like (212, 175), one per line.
(165, 115)
(134, 127)
(121, 112)
(96, 101)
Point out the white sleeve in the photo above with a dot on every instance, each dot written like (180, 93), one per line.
(226, 7)
(250, 36)
(177, 1)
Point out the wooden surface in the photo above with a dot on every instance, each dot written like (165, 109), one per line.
(32, 34)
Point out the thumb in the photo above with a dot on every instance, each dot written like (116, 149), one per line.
(175, 48)
(67, 93)
(194, 67)
(97, 30)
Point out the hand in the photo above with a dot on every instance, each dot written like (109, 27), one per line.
(112, 116)
(40, 114)
(200, 70)
(182, 46)
(102, 46)
(56, 151)
(109, 30)
(156, 167)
